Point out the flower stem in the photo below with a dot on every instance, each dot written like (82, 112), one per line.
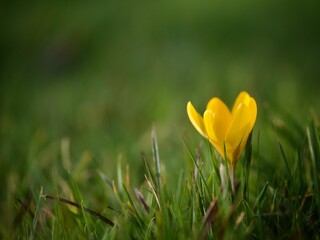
(231, 172)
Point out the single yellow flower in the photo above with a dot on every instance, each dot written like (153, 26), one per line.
(227, 130)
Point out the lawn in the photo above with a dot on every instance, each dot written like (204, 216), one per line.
(95, 139)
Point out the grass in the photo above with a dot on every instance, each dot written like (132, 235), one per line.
(94, 138)
(284, 204)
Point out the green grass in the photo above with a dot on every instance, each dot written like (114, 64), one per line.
(94, 130)
(279, 201)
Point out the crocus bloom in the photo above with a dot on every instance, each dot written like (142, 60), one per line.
(226, 130)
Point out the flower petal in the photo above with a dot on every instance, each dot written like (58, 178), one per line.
(222, 117)
(243, 97)
(238, 132)
(217, 106)
(253, 110)
(217, 119)
(215, 130)
(196, 119)
(216, 124)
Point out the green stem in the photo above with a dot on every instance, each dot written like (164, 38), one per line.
(231, 172)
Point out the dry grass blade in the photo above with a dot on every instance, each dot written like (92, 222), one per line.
(239, 220)
(91, 212)
(24, 207)
(142, 200)
(208, 219)
(153, 192)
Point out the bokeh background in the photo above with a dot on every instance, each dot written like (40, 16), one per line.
(96, 76)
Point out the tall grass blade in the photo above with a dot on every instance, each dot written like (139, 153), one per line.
(314, 149)
(198, 167)
(156, 157)
(180, 188)
(36, 214)
(134, 207)
(284, 158)
(214, 162)
(119, 174)
(261, 196)
(148, 168)
(246, 170)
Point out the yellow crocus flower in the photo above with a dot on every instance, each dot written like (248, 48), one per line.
(226, 130)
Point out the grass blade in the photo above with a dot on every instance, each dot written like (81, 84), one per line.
(156, 157)
(198, 167)
(261, 195)
(246, 170)
(77, 205)
(284, 158)
(314, 149)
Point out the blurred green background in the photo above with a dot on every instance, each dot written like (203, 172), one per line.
(101, 73)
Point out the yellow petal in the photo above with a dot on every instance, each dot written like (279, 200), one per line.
(253, 111)
(217, 106)
(244, 98)
(216, 124)
(196, 119)
(217, 120)
(238, 132)
(215, 130)
(222, 117)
